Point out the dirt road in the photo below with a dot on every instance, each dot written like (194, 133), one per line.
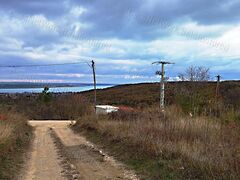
(58, 153)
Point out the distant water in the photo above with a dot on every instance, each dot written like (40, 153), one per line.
(54, 89)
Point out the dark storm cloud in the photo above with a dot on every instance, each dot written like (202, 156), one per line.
(202, 11)
(139, 21)
(214, 11)
(30, 7)
(13, 60)
(133, 19)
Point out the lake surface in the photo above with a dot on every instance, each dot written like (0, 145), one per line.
(53, 89)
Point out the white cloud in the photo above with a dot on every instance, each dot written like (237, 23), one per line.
(77, 11)
(68, 75)
(33, 80)
(232, 37)
(55, 40)
(8, 43)
(205, 30)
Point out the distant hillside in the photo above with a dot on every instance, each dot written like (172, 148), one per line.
(186, 94)
(16, 85)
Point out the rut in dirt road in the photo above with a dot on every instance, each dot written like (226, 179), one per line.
(58, 153)
(44, 162)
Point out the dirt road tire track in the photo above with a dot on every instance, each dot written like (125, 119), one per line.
(59, 154)
(43, 162)
(69, 170)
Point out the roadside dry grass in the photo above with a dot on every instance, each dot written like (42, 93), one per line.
(15, 136)
(5, 132)
(180, 146)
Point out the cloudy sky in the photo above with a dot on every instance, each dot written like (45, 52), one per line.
(123, 36)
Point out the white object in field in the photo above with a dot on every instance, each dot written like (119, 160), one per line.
(106, 109)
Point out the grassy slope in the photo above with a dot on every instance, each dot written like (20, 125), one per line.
(197, 97)
(173, 148)
(145, 166)
(147, 94)
(15, 136)
(108, 133)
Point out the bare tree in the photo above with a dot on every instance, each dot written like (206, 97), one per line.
(203, 73)
(181, 76)
(195, 73)
(191, 73)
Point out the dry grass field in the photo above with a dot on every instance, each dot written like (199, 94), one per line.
(174, 146)
(15, 136)
(5, 132)
(195, 148)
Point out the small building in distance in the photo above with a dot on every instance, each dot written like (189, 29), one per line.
(106, 109)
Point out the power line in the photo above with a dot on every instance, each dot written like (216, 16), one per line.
(43, 65)
(91, 64)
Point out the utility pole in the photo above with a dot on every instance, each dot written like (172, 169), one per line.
(162, 84)
(217, 95)
(95, 84)
(218, 86)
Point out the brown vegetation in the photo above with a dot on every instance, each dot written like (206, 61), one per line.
(198, 98)
(201, 148)
(205, 146)
(62, 107)
(14, 137)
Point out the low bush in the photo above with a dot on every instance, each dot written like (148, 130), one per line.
(62, 107)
